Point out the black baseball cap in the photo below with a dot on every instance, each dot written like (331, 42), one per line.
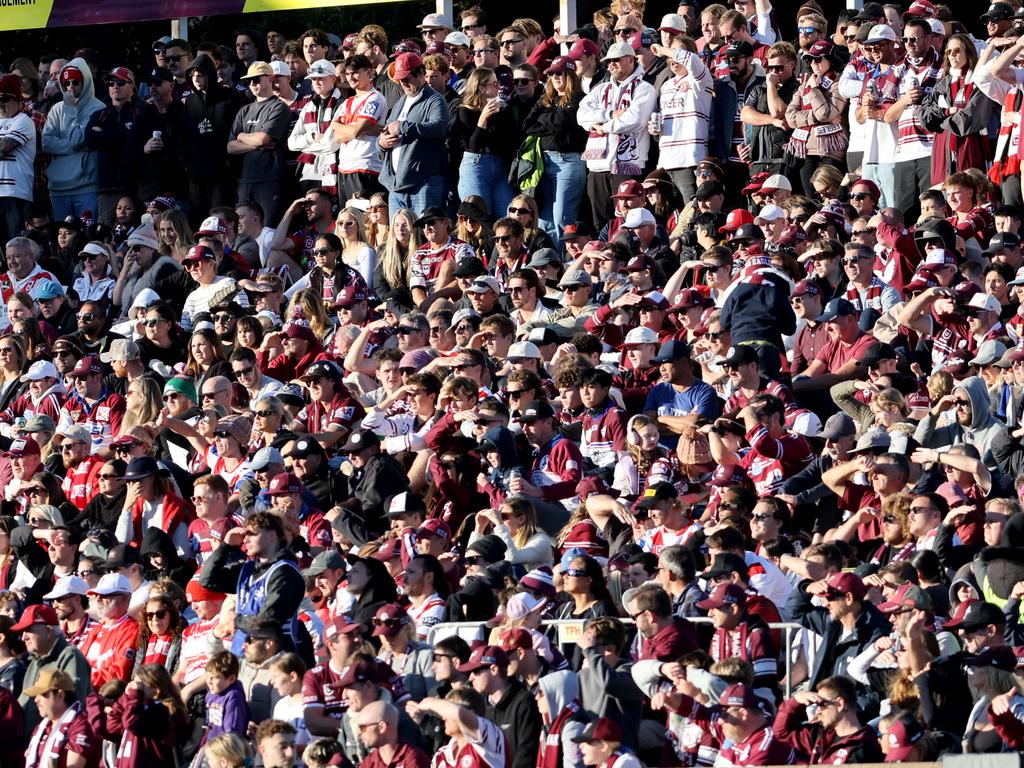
(536, 410)
(672, 350)
(159, 74)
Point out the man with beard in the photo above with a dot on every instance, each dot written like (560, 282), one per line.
(427, 588)
(92, 404)
(94, 334)
(764, 109)
(331, 411)
(294, 247)
(840, 358)
(81, 469)
(975, 423)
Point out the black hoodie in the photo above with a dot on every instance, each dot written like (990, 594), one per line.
(379, 591)
(156, 542)
(206, 122)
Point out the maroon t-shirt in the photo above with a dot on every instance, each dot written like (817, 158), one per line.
(673, 641)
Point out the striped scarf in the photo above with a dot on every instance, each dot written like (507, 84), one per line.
(157, 649)
(1007, 157)
(320, 112)
(874, 297)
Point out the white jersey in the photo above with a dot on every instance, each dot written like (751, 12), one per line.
(361, 155)
(488, 750)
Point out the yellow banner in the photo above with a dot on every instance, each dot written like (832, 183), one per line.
(257, 6)
(24, 14)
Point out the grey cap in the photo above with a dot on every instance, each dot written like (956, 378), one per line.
(327, 559)
(575, 277)
(39, 423)
(265, 457)
(542, 257)
(121, 349)
(989, 353)
(463, 314)
(873, 440)
(839, 425)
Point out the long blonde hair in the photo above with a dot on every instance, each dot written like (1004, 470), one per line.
(473, 98)
(229, 748)
(150, 409)
(376, 233)
(311, 307)
(395, 257)
(525, 200)
(179, 223)
(520, 505)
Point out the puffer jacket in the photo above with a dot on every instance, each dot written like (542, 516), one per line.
(74, 166)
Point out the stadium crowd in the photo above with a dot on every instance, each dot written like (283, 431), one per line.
(648, 395)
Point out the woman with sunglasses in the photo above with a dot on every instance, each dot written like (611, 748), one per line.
(13, 363)
(98, 273)
(523, 209)
(45, 488)
(472, 228)
(159, 634)
(816, 114)
(162, 340)
(331, 273)
(392, 270)
(485, 132)
(515, 523)
(270, 425)
(377, 221)
(355, 251)
(958, 113)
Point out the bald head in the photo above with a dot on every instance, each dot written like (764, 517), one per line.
(377, 712)
(216, 391)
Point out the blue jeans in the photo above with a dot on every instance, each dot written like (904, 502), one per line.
(884, 175)
(485, 175)
(75, 204)
(561, 189)
(431, 192)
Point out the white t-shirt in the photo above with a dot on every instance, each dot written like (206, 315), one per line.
(16, 172)
(289, 709)
(198, 301)
(361, 155)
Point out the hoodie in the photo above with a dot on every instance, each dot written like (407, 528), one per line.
(565, 721)
(157, 542)
(498, 477)
(206, 122)
(74, 167)
(379, 590)
(981, 432)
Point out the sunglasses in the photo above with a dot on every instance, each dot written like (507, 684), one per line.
(174, 59)
(889, 519)
(245, 371)
(161, 614)
(807, 30)
(322, 251)
(224, 317)
(265, 414)
(523, 80)
(518, 210)
(506, 43)
(87, 316)
(575, 572)
(503, 238)
(865, 231)
(859, 195)
(625, 31)
(404, 330)
(212, 395)
(117, 83)
(484, 51)
(776, 67)
(911, 40)
(125, 448)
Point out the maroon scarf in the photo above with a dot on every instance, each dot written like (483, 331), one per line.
(550, 756)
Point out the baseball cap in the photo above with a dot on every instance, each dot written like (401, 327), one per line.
(989, 353)
(483, 284)
(435, 21)
(471, 267)
(360, 672)
(984, 302)
(769, 213)
(404, 503)
(740, 695)
(735, 220)
(38, 614)
(485, 656)
(326, 560)
(878, 353)
(672, 22)
(575, 277)
(458, 38)
(602, 729)
(389, 620)
(903, 734)
(672, 350)
(978, 615)
(881, 32)
(739, 48)
(360, 439)
(775, 182)
(23, 446)
(578, 229)
(561, 64)
(50, 679)
(627, 189)
(76, 432)
(284, 484)
(258, 69)
(837, 308)
(843, 583)
(86, 366)
(806, 288)
(320, 68)
(618, 50)
(741, 354)
(66, 585)
(723, 595)
(41, 369)
(583, 47)
(1000, 657)
(640, 335)
(839, 425)
(49, 289)
(908, 597)
(654, 494)
(523, 350)
(434, 527)
(919, 8)
(405, 64)
(535, 410)
(111, 584)
(998, 12)
(121, 350)
(638, 217)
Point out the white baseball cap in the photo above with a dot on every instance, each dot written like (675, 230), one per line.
(111, 584)
(321, 68)
(618, 50)
(280, 69)
(770, 212)
(435, 21)
(640, 335)
(458, 38)
(523, 349)
(672, 22)
(41, 369)
(638, 217)
(67, 585)
(985, 301)
(881, 32)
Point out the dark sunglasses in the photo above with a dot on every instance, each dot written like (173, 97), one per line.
(265, 414)
(160, 614)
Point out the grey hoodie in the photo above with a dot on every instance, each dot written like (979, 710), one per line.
(73, 167)
(560, 689)
(980, 432)
(611, 693)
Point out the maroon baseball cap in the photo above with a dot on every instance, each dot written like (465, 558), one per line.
(723, 595)
(740, 695)
(389, 550)
(348, 296)
(806, 288)
(755, 183)
(284, 484)
(902, 735)
(360, 672)
(405, 64)
(389, 620)
(23, 446)
(516, 637)
(583, 47)
(87, 365)
(435, 527)
(628, 188)
(728, 475)
(820, 48)
(36, 614)
(485, 656)
(341, 626)
(602, 729)
(840, 584)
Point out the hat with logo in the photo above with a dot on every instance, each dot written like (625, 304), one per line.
(516, 638)
(535, 410)
(903, 734)
(349, 296)
(919, 8)
(485, 656)
(323, 369)
(729, 475)
(806, 288)
(362, 671)
(672, 350)
(654, 299)
(484, 284)
(359, 440)
(561, 64)
(405, 503)
(655, 494)
(820, 49)
(880, 33)
(389, 620)
(640, 263)
(321, 68)
(341, 626)
(602, 729)
(159, 75)
(88, 365)
(977, 616)
(845, 583)
(41, 614)
(837, 308)
(305, 447)
(747, 233)
(434, 527)
(724, 595)
(983, 302)
(640, 335)
(284, 484)
(741, 354)
(627, 189)
(741, 695)
(583, 47)
(736, 219)
(196, 592)
(23, 446)
(998, 12)
(470, 267)
(406, 64)
(435, 21)
(908, 597)
(577, 229)
(739, 48)
(389, 550)
(280, 69)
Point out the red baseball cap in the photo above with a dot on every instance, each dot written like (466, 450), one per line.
(582, 47)
(723, 595)
(405, 64)
(341, 626)
(389, 620)
(902, 735)
(121, 73)
(846, 583)
(736, 219)
(435, 527)
(485, 656)
(806, 288)
(602, 729)
(23, 446)
(516, 637)
(36, 614)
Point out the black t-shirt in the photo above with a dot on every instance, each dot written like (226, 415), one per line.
(272, 117)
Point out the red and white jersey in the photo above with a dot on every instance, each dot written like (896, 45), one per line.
(361, 155)
(103, 417)
(428, 614)
(196, 648)
(200, 540)
(556, 470)
(320, 689)
(656, 539)
(82, 481)
(488, 750)
(110, 650)
(10, 285)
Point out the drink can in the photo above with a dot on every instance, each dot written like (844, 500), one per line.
(158, 135)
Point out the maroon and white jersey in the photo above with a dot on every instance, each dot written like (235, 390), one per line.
(320, 689)
(488, 750)
(772, 460)
(753, 644)
(760, 748)
(557, 469)
(604, 436)
(343, 411)
(656, 539)
(427, 260)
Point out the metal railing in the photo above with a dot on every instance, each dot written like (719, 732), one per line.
(569, 631)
